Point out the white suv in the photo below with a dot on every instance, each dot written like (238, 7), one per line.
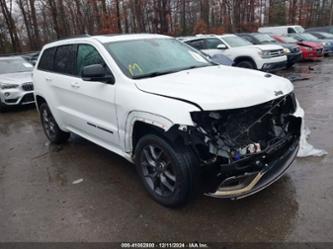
(16, 86)
(244, 54)
(188, 125)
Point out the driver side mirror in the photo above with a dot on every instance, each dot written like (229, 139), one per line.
(221, 46)
(97, 72)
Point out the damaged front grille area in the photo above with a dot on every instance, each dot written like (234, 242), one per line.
(234, 134)
(240, 143)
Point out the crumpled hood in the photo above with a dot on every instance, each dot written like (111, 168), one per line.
(218, 87)
(16, 78)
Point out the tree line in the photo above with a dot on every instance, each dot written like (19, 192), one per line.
(25, 25)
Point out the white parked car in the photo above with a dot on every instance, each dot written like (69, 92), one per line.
(242, 52)
(16, 86)
(281, 30)
(189, 126)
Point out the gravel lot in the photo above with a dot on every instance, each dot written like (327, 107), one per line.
(39, 202)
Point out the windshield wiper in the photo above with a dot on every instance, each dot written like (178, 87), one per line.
(153, 74)
(159, 73)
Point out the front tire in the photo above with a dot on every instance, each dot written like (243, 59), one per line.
(169, 173)
(50, 126)
(246, 64)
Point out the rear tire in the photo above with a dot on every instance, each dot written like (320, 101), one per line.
(246, 64)
(50, 126)
(170, 174)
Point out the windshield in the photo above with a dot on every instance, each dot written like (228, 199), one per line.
(309, 37)
(326, 35)
(299, 29)
(263, 38)
(14, 65)
(235, 41)
(154, 57)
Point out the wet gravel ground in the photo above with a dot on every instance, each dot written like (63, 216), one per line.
(38, 201)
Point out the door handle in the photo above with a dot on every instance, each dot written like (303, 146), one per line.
(75, 85)
(48, 79)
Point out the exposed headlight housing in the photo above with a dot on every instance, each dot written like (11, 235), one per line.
(8, 86)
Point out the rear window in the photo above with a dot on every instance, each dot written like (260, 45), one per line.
(64, 61)
(46, 61)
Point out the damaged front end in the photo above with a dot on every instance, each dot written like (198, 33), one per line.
(245, 150)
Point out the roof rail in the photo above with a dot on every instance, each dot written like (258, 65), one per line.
(73, 37)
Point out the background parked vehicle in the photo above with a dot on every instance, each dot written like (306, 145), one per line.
(16, 86)
(218, 58)
(322, 35)
(328, 45)
(310, 50)
(242, 52)
(282, 30)
(292, 51)
(31, 57)
(327, 29)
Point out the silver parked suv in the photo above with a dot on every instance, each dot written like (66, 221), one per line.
(16, 86)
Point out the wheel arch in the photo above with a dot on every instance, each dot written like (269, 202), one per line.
(39, 101)
(139, 124)
(245, 58)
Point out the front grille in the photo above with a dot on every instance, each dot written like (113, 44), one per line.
(28, 87)
(11, 101)
(28, 98)
(277, 52)
(232, 135)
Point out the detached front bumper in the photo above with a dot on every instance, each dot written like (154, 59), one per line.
(242, 151)
(250, 183)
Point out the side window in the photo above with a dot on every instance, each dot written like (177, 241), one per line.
(46, 61)
(198, 44)
(87, 55)
(291, 30)
(212, 43)
(64, 60)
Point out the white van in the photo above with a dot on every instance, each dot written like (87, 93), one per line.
(282, 30)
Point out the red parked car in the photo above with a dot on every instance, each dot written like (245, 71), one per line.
(310, 50)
